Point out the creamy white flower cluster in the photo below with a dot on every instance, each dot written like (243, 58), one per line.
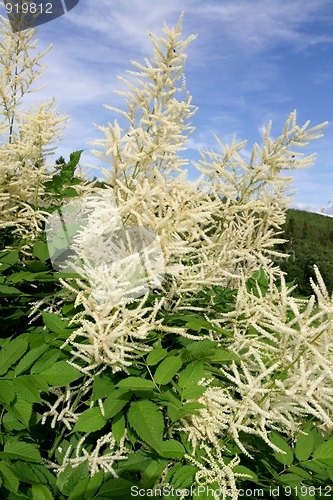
(205, 240)
(27, 135)
(102, 457)
(286, 371)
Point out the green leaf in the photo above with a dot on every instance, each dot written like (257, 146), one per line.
(29, 359)
(118, 426)
(46, 361)
(11, 353)
(167, 369)
(10, 481)
(172, 449)
(94, 484)
(191, 374)
(199, 323)
(290, 479)
(67, 171)
(54, 322)
(41, 492)
(223, 356)
(9, 257)
(61, 373)
(152, 473)
(184, 476)
(26, 388)
(325, 450)
(41, 251)
(315, 466)
(11, 423)
(115, 402)
(102, 387)
(115, 488)
(147, 421)
(79, 490)
(240, 469)
(69, 192)
(91, 420)
(136, 383)
(156, 355)
(7, 393)
(304, 446)
(193, 392)
(201, 347)
(32, 473)
(18, 450)
(67, 480)
(284, 458)
(6, 291)
(21, 410)
(299, 472)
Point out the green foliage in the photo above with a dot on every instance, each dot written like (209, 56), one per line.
(310, 241)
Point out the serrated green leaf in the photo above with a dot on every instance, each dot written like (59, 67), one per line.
(240, 469)
(152, 473)
(172, 449)
(315, 466)
(7, 393)
(90, 420)
(61, 373)
(116, 402)
(67, 480)
(116, 488)
(46, 361)
(118, 426)
(41, 492)
(201, 347)
(40, 251)
(54, 322)
(156, 355)
(193, 392)
(33, 473)
(29, 359)
(284, 458)
(11, 353)
(223, 356)
(167, 369)
(102, 387)
(300, 472)
(147, 421)
(94, 484)
(304, 446)
(18, 450)
(136, 384)
(191, 374)
(79, 490)
(184, 476)
(21, 410)
(290, 479)
(174, 413)
(69, 192)
(9, 257)
(10, 481)
(6, 291)
(11, 423)
(324, 450)
(26, 388)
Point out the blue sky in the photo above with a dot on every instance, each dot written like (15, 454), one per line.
(253, 61)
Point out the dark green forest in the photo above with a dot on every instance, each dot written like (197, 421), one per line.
(310, 241)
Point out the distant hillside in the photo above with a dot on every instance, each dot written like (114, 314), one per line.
(310, 242)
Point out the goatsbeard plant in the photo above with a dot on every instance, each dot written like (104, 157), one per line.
(171, 403)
